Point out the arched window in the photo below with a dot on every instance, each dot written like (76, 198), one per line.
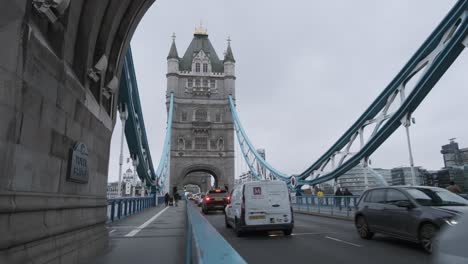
(197, 67)
(218, 117)
(181, 144)
(201, 115)
(188, 144)
(201, 143)
(184, 116)
(197, 83)
(205, 67)
(221, 143)
(205, 83)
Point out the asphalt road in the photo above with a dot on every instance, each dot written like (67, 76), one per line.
(317, 239)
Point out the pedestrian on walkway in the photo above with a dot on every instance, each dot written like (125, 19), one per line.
(176, 199)
(338, 195)
(166, 199)
(347, 193)
(453, 187)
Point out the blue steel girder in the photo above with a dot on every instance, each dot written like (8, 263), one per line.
(435, 56)
(429, 63)
(135, 131)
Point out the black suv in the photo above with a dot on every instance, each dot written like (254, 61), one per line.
(414, 213)
(215, 200)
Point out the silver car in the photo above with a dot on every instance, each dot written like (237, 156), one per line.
(414, 213)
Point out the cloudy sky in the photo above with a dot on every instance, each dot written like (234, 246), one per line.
(306, 70)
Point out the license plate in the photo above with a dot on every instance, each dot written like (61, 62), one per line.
(218, 199)
(255, 217)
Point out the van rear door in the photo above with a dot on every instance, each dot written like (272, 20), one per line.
(267, 202)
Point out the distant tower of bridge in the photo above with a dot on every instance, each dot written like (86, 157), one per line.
(202, 128)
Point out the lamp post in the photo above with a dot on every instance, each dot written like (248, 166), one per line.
(123, 118)
(407, 124)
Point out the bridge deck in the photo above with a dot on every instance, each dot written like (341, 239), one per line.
(155, 235)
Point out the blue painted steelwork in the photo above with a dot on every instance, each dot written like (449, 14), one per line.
(431, 61)
(209, 245)
(163, 167)
(121, 207)
(263, 170)
(135, 131)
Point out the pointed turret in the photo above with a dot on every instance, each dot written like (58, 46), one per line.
(229, 56)
(173, 52)
(229, 61)
(173, 58)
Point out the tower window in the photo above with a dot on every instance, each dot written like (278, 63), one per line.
(212, 83)
(218, 117)
(205, 67)
(201, 115)
(184, 116)
(197, 67)
(201, 143)
(190, 82)
(188, 144)
(197, 83)
(205, 83)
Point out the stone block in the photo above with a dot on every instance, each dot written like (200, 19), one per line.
(66, 101)
(82, 114)
(35, 137)
(53, 117)
(47, 177)
(8, 124)
(31, 101)
(72, 130)
(60, 145)
(11, 22)
(24, 169)
(27, 226)
(7, 237)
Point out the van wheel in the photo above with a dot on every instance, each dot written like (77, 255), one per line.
(363, 228)
(226, 222)
(287, 232)
(237, 228)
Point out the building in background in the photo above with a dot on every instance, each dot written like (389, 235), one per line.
(355, 179)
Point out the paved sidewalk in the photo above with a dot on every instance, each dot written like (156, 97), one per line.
(159, 241)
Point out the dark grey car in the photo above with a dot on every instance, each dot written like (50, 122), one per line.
(414, 213)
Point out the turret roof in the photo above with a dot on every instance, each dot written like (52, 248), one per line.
(200, 42)
(173, 52)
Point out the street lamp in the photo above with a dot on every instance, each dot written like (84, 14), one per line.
(407, 123)
(123, 118)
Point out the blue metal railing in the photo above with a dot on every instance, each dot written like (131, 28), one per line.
(119, 208)
(204, 244)
(343, 206)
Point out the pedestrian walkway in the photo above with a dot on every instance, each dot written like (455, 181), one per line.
(156, 235)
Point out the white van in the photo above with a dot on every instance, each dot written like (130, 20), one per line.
(260, 205)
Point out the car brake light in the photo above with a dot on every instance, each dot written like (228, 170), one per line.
(228, 198)
(207, 198)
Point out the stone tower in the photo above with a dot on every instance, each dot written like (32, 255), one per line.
(202, 127)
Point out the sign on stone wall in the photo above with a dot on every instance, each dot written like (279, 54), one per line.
(78, 170)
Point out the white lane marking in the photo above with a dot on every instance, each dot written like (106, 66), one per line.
(346, 242)
(112, 231)
(300, 234)
(145, 224)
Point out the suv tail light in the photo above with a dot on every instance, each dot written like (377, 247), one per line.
(228, 198)
(207, 199)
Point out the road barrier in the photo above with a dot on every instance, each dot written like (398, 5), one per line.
(204, 244)
(331, 205)
(118, 208)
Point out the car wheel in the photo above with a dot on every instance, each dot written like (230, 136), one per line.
(427, 233)
(287, 232)
(237, 228)
(363, 228)
(226, 221)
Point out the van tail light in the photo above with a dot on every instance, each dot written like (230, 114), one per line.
(243, 210)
